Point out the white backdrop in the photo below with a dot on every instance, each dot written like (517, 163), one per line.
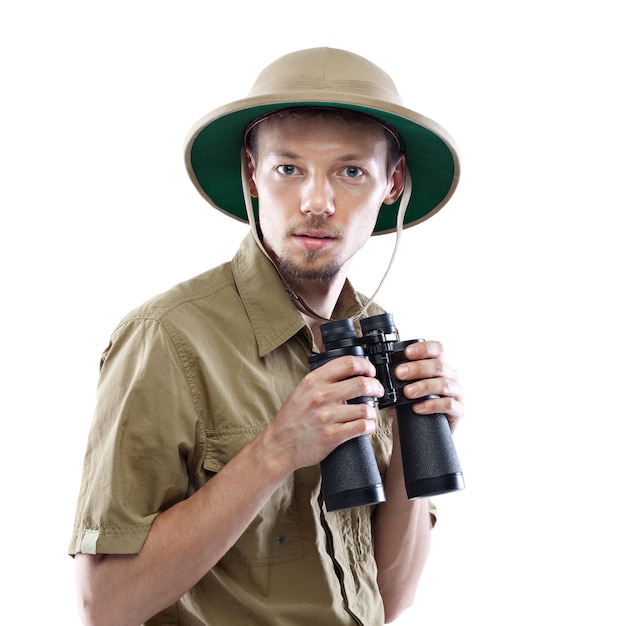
(520, 276)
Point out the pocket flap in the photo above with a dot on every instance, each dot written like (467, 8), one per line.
(223, 444)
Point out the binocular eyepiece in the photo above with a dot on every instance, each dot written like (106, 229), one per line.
(350, 475)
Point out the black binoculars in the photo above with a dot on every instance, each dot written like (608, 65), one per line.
(350, 475)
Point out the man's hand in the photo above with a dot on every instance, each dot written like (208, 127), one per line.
(316, 417)
(433, 376)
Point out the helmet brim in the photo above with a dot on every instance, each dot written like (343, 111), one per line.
(213, 152)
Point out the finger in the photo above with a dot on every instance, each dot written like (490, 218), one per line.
(450, 407)
(332, 394)
(434, 386)
(345, 367)
(341, 423)
(425, 360)
(343, 379)
(425, 369)
(359, 387)
(424, 350)
(358, 418)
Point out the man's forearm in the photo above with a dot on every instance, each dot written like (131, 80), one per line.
(401, 540)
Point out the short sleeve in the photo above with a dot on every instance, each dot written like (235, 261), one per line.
(142, 438)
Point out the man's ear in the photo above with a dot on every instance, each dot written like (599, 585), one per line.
(250, 160)
(397, 181)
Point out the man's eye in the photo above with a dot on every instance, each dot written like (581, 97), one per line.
(351, 171)
(287, 170)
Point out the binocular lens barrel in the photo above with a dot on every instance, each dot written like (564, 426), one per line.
(429, 459)
(350, 474)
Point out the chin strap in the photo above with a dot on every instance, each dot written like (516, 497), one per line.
(300, 304)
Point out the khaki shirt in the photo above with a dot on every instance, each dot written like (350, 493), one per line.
(187, 381)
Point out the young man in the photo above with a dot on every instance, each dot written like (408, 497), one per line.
(201, 500)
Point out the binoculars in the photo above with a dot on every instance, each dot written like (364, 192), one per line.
(350, 474)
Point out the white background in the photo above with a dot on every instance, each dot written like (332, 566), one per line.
(521, 276)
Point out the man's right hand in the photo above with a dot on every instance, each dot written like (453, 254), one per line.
(316, 418)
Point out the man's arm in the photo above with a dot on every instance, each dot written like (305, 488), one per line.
(183, 543)
(401, 539)
(402, 526)
(187, 540)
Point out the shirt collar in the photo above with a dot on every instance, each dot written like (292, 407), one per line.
(273, 316)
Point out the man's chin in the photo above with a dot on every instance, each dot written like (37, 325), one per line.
(306, 271)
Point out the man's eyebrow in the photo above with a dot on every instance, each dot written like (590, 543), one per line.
(354, 157)
(286, 154)
(283, 154)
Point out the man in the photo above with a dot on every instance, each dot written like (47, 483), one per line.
(201, 499)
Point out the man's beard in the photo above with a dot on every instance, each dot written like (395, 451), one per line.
(293, 271)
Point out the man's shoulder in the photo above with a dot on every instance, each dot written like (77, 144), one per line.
(199, 290)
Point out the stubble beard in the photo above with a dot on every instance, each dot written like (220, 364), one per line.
(308, 267)
(294, 271)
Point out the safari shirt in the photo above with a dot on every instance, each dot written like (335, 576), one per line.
(187, 380)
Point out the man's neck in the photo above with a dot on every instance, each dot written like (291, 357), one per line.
(321, 298)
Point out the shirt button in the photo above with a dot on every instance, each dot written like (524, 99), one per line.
(281, 540)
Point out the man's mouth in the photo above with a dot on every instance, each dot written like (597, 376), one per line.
(314, 239)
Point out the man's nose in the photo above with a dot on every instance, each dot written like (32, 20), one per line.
(318, 196)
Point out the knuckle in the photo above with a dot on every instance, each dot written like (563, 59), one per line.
(319, 396)
(439, 367)
(446, 388)
(362, 385)
(308, 383)
(328, 434)
(433, 349)
(364, 411)
(448, 405)
(354, 365)
(367, 427)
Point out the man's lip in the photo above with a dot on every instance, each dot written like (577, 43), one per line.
(314, 234)
(314, 239)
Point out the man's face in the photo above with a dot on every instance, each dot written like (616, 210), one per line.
(320, 182)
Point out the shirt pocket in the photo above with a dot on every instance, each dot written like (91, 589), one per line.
(274, 536)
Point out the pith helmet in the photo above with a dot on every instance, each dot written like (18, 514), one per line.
(325, 77)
